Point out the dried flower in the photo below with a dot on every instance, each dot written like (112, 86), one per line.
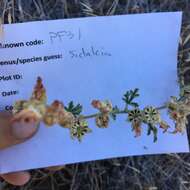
(180, 125)
(164, 126)
(39, 92)
(79, 129)
(102, 106)
(135, 117)
(36, 103)
(102, 120)
(18, 106)
(105, 107)
(56, 114)
(31, 105)
(53, 111)
(178, 111)
(66, 119)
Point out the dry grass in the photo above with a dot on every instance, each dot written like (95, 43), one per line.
(164, 172)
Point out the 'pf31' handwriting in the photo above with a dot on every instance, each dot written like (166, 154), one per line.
(59, 36)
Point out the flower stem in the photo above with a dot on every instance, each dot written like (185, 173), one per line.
(162, 107)
(115, 112)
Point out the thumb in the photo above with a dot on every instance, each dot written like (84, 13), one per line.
(17, 129)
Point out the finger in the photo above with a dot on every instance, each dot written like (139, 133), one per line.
(17, 178)
(16, 129)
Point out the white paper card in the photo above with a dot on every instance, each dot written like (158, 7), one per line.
(85, 59)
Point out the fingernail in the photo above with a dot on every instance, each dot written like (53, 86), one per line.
(24, 128)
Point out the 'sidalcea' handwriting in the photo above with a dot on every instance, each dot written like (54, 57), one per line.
(81, 53)
(89, 52)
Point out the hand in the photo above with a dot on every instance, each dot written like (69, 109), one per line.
(14, 131)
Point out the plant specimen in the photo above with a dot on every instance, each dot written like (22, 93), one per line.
(70, 116)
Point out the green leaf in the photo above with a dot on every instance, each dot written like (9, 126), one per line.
(149, 130)
(115, 109)
(153, 129)
(129, 97)
(134, 104)
(113, 114)
(75, 110)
